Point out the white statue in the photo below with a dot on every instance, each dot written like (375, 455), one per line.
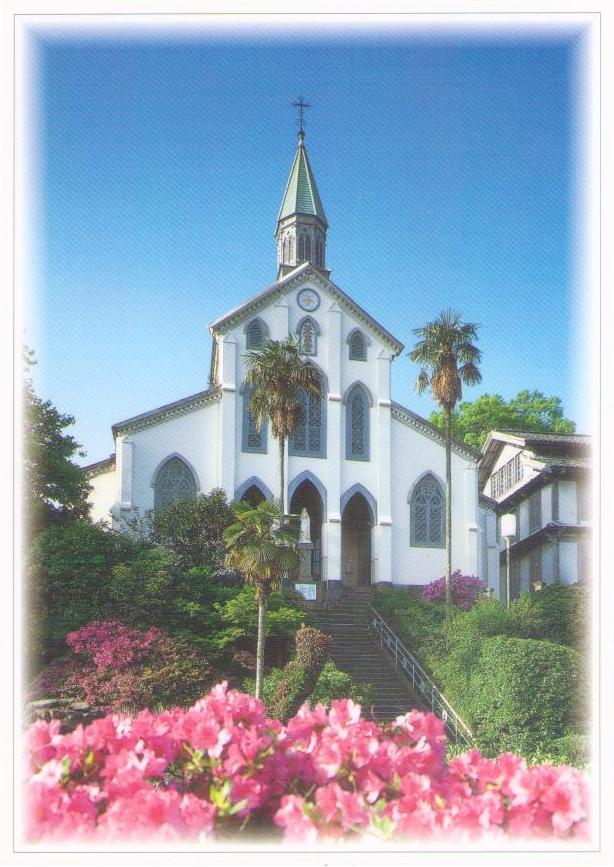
(305, 526)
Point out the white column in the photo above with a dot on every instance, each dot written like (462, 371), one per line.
(381, 451)
(334, 444)
(227, 431)
(471, 519)
(124, 457)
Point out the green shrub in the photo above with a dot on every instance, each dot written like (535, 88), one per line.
(239, 613)
(559, 612)
(192, 530)
(418, 622)
(521, 694)
(67, 579)
(333, 683)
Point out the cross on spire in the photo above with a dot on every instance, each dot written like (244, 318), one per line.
(300, 105)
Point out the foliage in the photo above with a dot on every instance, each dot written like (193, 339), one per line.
(263, 548)
(223, 766)
(335, 684)
(521, 693)
(117, 668)
(528, 411)
(239, 615)
(558, 612)
(68, 574)
(299, 677)
(465, 589)
(192, 530)
(55, 489)
(418, 622)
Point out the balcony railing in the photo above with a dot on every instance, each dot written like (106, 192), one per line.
(408, 665)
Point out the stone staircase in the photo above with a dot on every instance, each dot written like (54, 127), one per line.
(357, 652)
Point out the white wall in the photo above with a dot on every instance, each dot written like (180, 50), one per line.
(568, 506)
(102, 496)
(412, 455)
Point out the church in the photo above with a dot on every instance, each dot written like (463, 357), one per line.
(369, 472)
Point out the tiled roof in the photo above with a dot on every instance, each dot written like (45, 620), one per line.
(301, 195)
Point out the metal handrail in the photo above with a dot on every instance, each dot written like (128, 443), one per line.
(407, 663)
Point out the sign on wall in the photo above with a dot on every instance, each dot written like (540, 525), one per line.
(307, 591)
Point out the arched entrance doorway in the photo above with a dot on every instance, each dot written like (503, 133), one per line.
(307, 496)
(253, 495)
(356, 525)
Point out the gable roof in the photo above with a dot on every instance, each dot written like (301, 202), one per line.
(301, 195)
(415, 421)
(546, 450)
(169, 410)
(286, 284)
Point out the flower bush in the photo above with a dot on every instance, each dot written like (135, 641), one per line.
(222, 766)
(465, 589)
(116, 668)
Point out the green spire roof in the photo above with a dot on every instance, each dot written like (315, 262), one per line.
(301, 195)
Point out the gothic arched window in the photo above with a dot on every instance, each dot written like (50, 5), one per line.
(290, 248)
(255, 334)
(308, 247)
(285, 253)
(254, 440)
(301, 248)
(357, 425)
(175, 481)
(308, 336)
(358, 346)
(427, 514)
(310, 437)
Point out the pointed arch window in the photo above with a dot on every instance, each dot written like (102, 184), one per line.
(254, 440)
(290, 249)
(255, 332)
(301, 248)
(427, 514)
(175, 481)
(357, 445)
(358, 346)
(310, 437)
(308, 336)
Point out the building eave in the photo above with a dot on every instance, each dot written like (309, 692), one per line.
(280, 287)
(169, 411)
(99, 467)
(415, 421)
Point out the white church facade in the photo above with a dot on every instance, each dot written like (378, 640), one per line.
(369, 471)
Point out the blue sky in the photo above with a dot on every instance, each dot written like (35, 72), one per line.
(446, 165)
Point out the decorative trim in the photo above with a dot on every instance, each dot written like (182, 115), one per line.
(415, 421)
(360, 489)
(169, 411)
(100, 467)
(249, 483)
(303, 272)
(308, 476)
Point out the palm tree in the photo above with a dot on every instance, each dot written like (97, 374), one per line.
(263, 549)
(448, 359)
(279, 377)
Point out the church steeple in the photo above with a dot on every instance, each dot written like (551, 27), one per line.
(301, 222)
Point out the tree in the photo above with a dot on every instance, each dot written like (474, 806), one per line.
(528, 411)
(263, 549)
(193, 529)
(279, 378)
(55, 489)
(448, 359)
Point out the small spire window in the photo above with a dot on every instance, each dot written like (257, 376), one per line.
(301, 248)
(358, 346)
(308, 248)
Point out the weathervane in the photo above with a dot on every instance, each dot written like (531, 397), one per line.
(301, 105)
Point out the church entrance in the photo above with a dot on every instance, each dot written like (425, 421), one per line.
(253, 496)
(356, 525)
(307, 497)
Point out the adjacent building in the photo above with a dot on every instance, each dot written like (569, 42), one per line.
(544, 480)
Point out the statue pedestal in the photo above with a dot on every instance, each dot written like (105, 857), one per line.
(305, 549)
